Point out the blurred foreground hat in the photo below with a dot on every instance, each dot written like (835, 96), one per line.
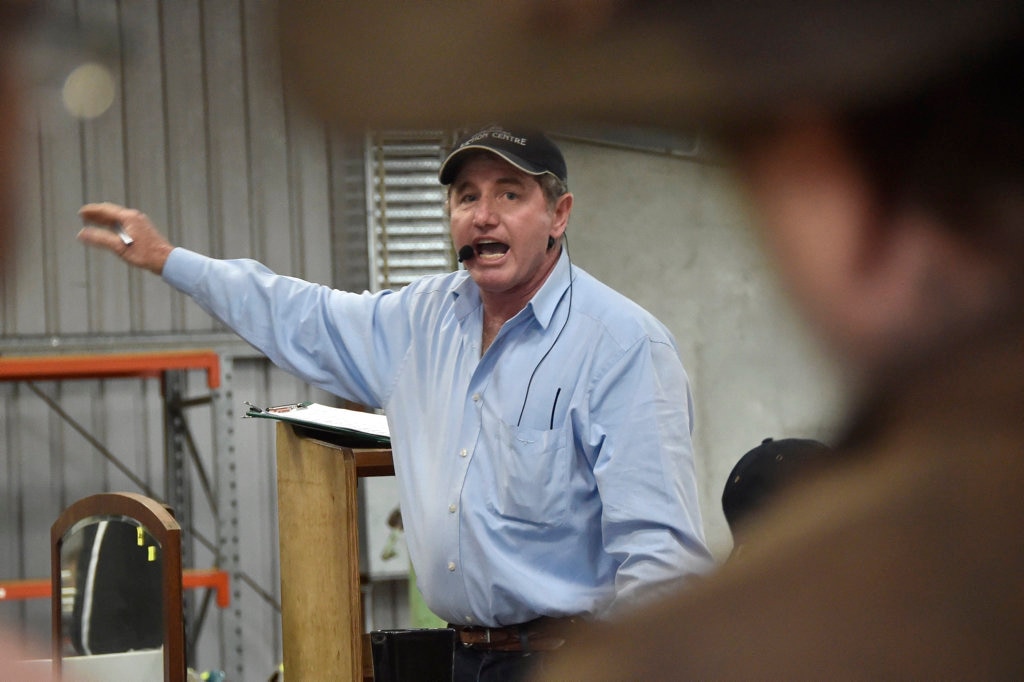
(528, 150)
(763, 472)
(451, 63)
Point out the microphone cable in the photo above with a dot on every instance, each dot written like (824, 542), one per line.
(568, 256)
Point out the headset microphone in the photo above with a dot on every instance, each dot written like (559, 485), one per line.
(466, 253)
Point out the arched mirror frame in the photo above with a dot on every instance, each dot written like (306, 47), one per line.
(159, 522)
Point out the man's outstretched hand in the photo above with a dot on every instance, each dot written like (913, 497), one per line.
(127, 233)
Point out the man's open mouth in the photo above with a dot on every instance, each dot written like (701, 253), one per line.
(487, 250)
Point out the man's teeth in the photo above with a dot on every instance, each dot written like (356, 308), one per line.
(491, 249)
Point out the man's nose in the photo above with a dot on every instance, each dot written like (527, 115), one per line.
(484, 213)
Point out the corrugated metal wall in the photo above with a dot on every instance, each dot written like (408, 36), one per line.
(200, 137)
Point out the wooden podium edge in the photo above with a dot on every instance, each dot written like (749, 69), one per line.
(321, 605)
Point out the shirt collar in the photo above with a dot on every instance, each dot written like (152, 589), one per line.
(466, 294)
(545, 301)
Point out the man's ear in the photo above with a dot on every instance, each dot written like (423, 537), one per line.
(943, 280)
(563, 207)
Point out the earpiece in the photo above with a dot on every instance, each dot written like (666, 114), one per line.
(551, 242)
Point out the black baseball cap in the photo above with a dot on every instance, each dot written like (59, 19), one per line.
(765, 471)
(528, 150)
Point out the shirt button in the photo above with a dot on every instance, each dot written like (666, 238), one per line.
(463, 452)
(476, 397)
(469, 619)
(451, 565)
(451, 508)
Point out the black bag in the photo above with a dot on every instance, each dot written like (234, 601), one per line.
(413, 655)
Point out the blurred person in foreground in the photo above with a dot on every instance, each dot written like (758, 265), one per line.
(15, 17)
(14, 21)
(880, 145)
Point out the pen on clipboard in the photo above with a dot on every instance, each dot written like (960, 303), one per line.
(279, 409)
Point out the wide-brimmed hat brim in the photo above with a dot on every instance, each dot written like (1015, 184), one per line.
(447, 63)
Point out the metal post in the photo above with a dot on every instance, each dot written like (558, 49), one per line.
(177, 481)
(226, 488)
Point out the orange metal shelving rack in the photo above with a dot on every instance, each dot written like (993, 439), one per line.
(146, 365)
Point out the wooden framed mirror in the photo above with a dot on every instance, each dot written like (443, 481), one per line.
(115, 569)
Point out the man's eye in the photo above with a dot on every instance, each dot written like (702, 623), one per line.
(511, 196)
(466, 198)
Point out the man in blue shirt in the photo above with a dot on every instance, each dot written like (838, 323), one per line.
(540, 422)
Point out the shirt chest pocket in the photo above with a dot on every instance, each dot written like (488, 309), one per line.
(531, 472)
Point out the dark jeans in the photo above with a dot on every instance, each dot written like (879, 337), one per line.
(476, 665)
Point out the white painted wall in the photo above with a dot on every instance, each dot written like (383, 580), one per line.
(671, 234)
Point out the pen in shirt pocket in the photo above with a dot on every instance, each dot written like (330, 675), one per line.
(554, 404)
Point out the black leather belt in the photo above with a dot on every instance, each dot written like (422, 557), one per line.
(543, 634)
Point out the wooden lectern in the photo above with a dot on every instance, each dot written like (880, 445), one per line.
(321, 608)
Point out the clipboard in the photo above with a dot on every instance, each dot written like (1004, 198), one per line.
(338, 425)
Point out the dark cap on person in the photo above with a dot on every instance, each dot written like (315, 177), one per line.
(766, 470)
(528, 150)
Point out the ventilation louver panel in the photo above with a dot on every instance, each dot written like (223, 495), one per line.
(408, 231)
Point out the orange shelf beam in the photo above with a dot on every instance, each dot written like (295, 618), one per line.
(11, 590)
(102, 366)
(211, 578)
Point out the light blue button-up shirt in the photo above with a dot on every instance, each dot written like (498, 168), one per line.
(573, 493)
